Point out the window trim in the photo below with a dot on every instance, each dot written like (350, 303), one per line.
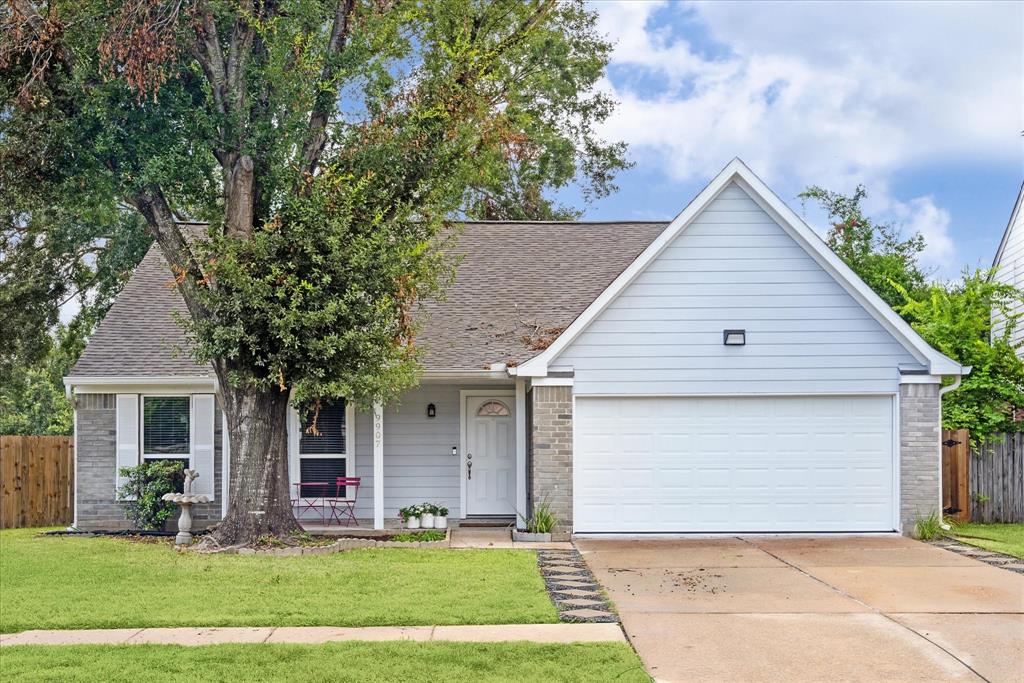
(143, 456)
(295, 447)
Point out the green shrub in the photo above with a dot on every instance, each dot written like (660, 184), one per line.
(542, 521)
(429, 535)
(144, 490)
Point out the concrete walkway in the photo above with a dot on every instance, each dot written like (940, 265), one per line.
(483, 537)
(813, 609)
(313, 635)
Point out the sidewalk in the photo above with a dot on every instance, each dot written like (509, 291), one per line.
(314, 635)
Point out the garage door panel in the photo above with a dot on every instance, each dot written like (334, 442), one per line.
(733, 464)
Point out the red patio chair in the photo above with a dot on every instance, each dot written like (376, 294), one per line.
(343, 505)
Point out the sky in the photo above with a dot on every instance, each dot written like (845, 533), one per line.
(922, 102)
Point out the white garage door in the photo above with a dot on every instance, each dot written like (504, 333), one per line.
(733, 464)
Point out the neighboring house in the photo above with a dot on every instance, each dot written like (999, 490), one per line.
(1009, 268)
(723, 372)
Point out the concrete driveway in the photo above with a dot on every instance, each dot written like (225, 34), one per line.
(813, 609)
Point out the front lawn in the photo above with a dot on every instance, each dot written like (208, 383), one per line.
(1001, 538)
(61, 582)
(351, 661)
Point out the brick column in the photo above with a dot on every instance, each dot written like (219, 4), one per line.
(551, 451)
(920, 453)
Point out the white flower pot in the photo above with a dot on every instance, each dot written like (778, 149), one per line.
(427, 520)
(440, 522)
(412, 523)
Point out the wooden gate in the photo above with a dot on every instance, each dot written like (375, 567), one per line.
(36, 481)
(956, 451)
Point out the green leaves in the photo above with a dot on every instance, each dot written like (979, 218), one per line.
(957, 319)
(368, 124)
(875, 251)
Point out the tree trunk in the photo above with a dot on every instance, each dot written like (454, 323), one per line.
(257, 424)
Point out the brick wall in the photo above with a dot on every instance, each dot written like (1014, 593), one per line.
(550, 472)
(920, 456)
(97, 507)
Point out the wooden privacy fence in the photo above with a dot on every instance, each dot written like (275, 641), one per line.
(36, 481)
(997, 480)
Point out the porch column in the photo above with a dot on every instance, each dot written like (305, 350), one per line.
(378, 466)
(520, 452)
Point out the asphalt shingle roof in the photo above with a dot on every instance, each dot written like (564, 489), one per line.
(518, 285)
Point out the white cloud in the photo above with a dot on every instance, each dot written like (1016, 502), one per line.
(832, 94)
(921, 215)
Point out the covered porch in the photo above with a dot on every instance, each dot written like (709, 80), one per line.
(457, 444)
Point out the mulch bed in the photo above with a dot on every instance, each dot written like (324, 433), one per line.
(574, 591)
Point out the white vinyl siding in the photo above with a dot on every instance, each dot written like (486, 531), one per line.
(717, 464)
(734, 267)
(418, 461)
(1010, 269)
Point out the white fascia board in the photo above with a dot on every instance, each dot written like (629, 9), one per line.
(440, 375)
(551, 382)
(160, 384)
(920, 379)
(812, 243)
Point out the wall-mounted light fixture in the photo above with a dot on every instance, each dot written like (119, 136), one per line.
(431, 411)
(734, 337)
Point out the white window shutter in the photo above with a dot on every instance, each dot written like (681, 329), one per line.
(127, 439)
(203, 443)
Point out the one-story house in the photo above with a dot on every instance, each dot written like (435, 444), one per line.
(722, 372)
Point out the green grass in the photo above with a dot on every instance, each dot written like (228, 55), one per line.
(54, 582)
(352, 661)
(1002, 538)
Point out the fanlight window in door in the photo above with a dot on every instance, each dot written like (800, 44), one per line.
(493, 409)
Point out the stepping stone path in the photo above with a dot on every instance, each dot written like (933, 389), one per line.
(574, 591)
(987, 556)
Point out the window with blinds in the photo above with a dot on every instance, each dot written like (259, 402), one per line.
(165, 425)
(332, 431)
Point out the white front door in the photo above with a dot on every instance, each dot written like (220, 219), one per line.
(490, 455)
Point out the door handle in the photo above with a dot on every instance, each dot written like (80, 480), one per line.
(469, 465)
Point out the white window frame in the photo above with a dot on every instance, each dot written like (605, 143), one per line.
(348, 456)
(143, 456)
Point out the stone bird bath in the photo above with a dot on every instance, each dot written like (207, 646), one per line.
(185, 501)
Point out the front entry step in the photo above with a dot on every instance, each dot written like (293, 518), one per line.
(487, 522)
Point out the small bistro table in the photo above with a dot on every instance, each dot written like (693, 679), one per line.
(331, 505)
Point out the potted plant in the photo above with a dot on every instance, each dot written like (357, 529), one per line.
(539, 525)
(427, 515)
(440, 517)
(411, 516)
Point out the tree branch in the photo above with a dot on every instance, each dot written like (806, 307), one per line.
(324, 103)
(152, 204)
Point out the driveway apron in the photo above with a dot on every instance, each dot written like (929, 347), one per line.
(809, 609)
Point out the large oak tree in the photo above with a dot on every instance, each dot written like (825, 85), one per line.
(327, 143)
